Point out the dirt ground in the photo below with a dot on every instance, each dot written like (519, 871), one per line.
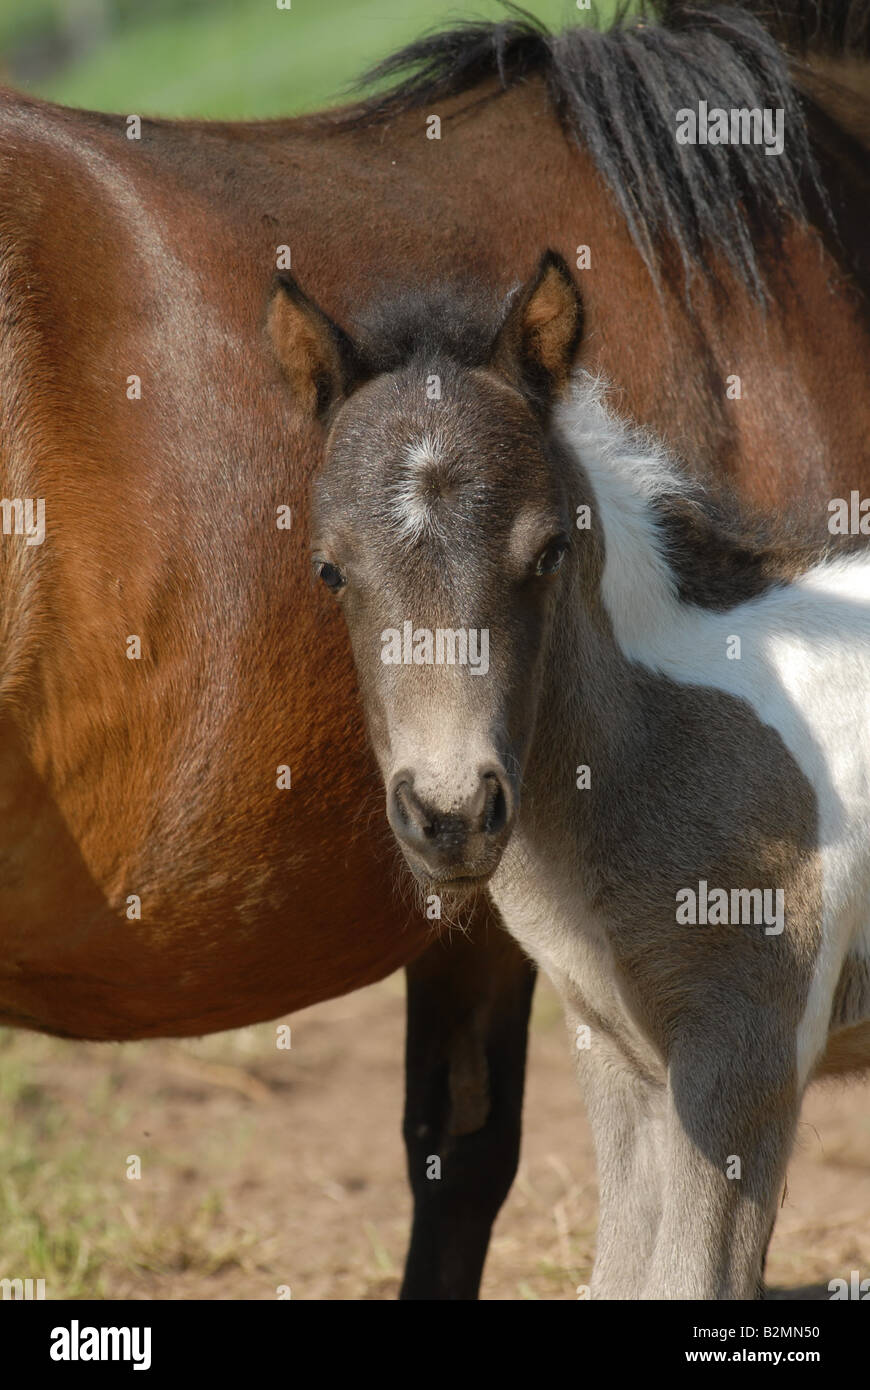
(262, 1168)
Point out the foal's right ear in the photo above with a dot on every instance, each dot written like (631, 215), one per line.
(320, 361)
(540, 334)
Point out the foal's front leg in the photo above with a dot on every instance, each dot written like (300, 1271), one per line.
(732, 1108)
(626, 1112)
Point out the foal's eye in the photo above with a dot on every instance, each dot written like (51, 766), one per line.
(331, 575)
(551, 556)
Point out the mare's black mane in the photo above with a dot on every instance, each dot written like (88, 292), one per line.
(617, 91)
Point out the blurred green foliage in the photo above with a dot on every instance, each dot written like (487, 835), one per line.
(220, 58)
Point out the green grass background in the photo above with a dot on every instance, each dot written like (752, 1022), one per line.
(222, 58)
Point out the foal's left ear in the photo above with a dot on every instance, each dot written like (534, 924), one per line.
(320, 361)
(535, 346)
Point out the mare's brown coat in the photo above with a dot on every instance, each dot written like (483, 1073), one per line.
(157, 777)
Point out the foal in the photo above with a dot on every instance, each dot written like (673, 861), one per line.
(661, 770)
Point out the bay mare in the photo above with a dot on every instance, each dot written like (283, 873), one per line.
(156, 777)
(661, 775)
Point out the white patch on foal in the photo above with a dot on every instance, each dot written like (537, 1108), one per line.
(411, 509)
(804, 668)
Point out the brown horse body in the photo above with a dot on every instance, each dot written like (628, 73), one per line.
(157, 777)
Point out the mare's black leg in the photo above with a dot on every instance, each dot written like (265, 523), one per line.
(468, 1011)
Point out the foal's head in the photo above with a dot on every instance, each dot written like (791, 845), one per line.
(440, 524)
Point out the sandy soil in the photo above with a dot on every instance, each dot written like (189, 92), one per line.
(263, 1167)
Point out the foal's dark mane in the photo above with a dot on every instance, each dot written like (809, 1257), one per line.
(617, 92)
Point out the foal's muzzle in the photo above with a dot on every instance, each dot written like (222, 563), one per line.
(458, 846)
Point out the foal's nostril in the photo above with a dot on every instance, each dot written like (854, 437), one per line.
(445, 835)
(412, 814)
(495, 809)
